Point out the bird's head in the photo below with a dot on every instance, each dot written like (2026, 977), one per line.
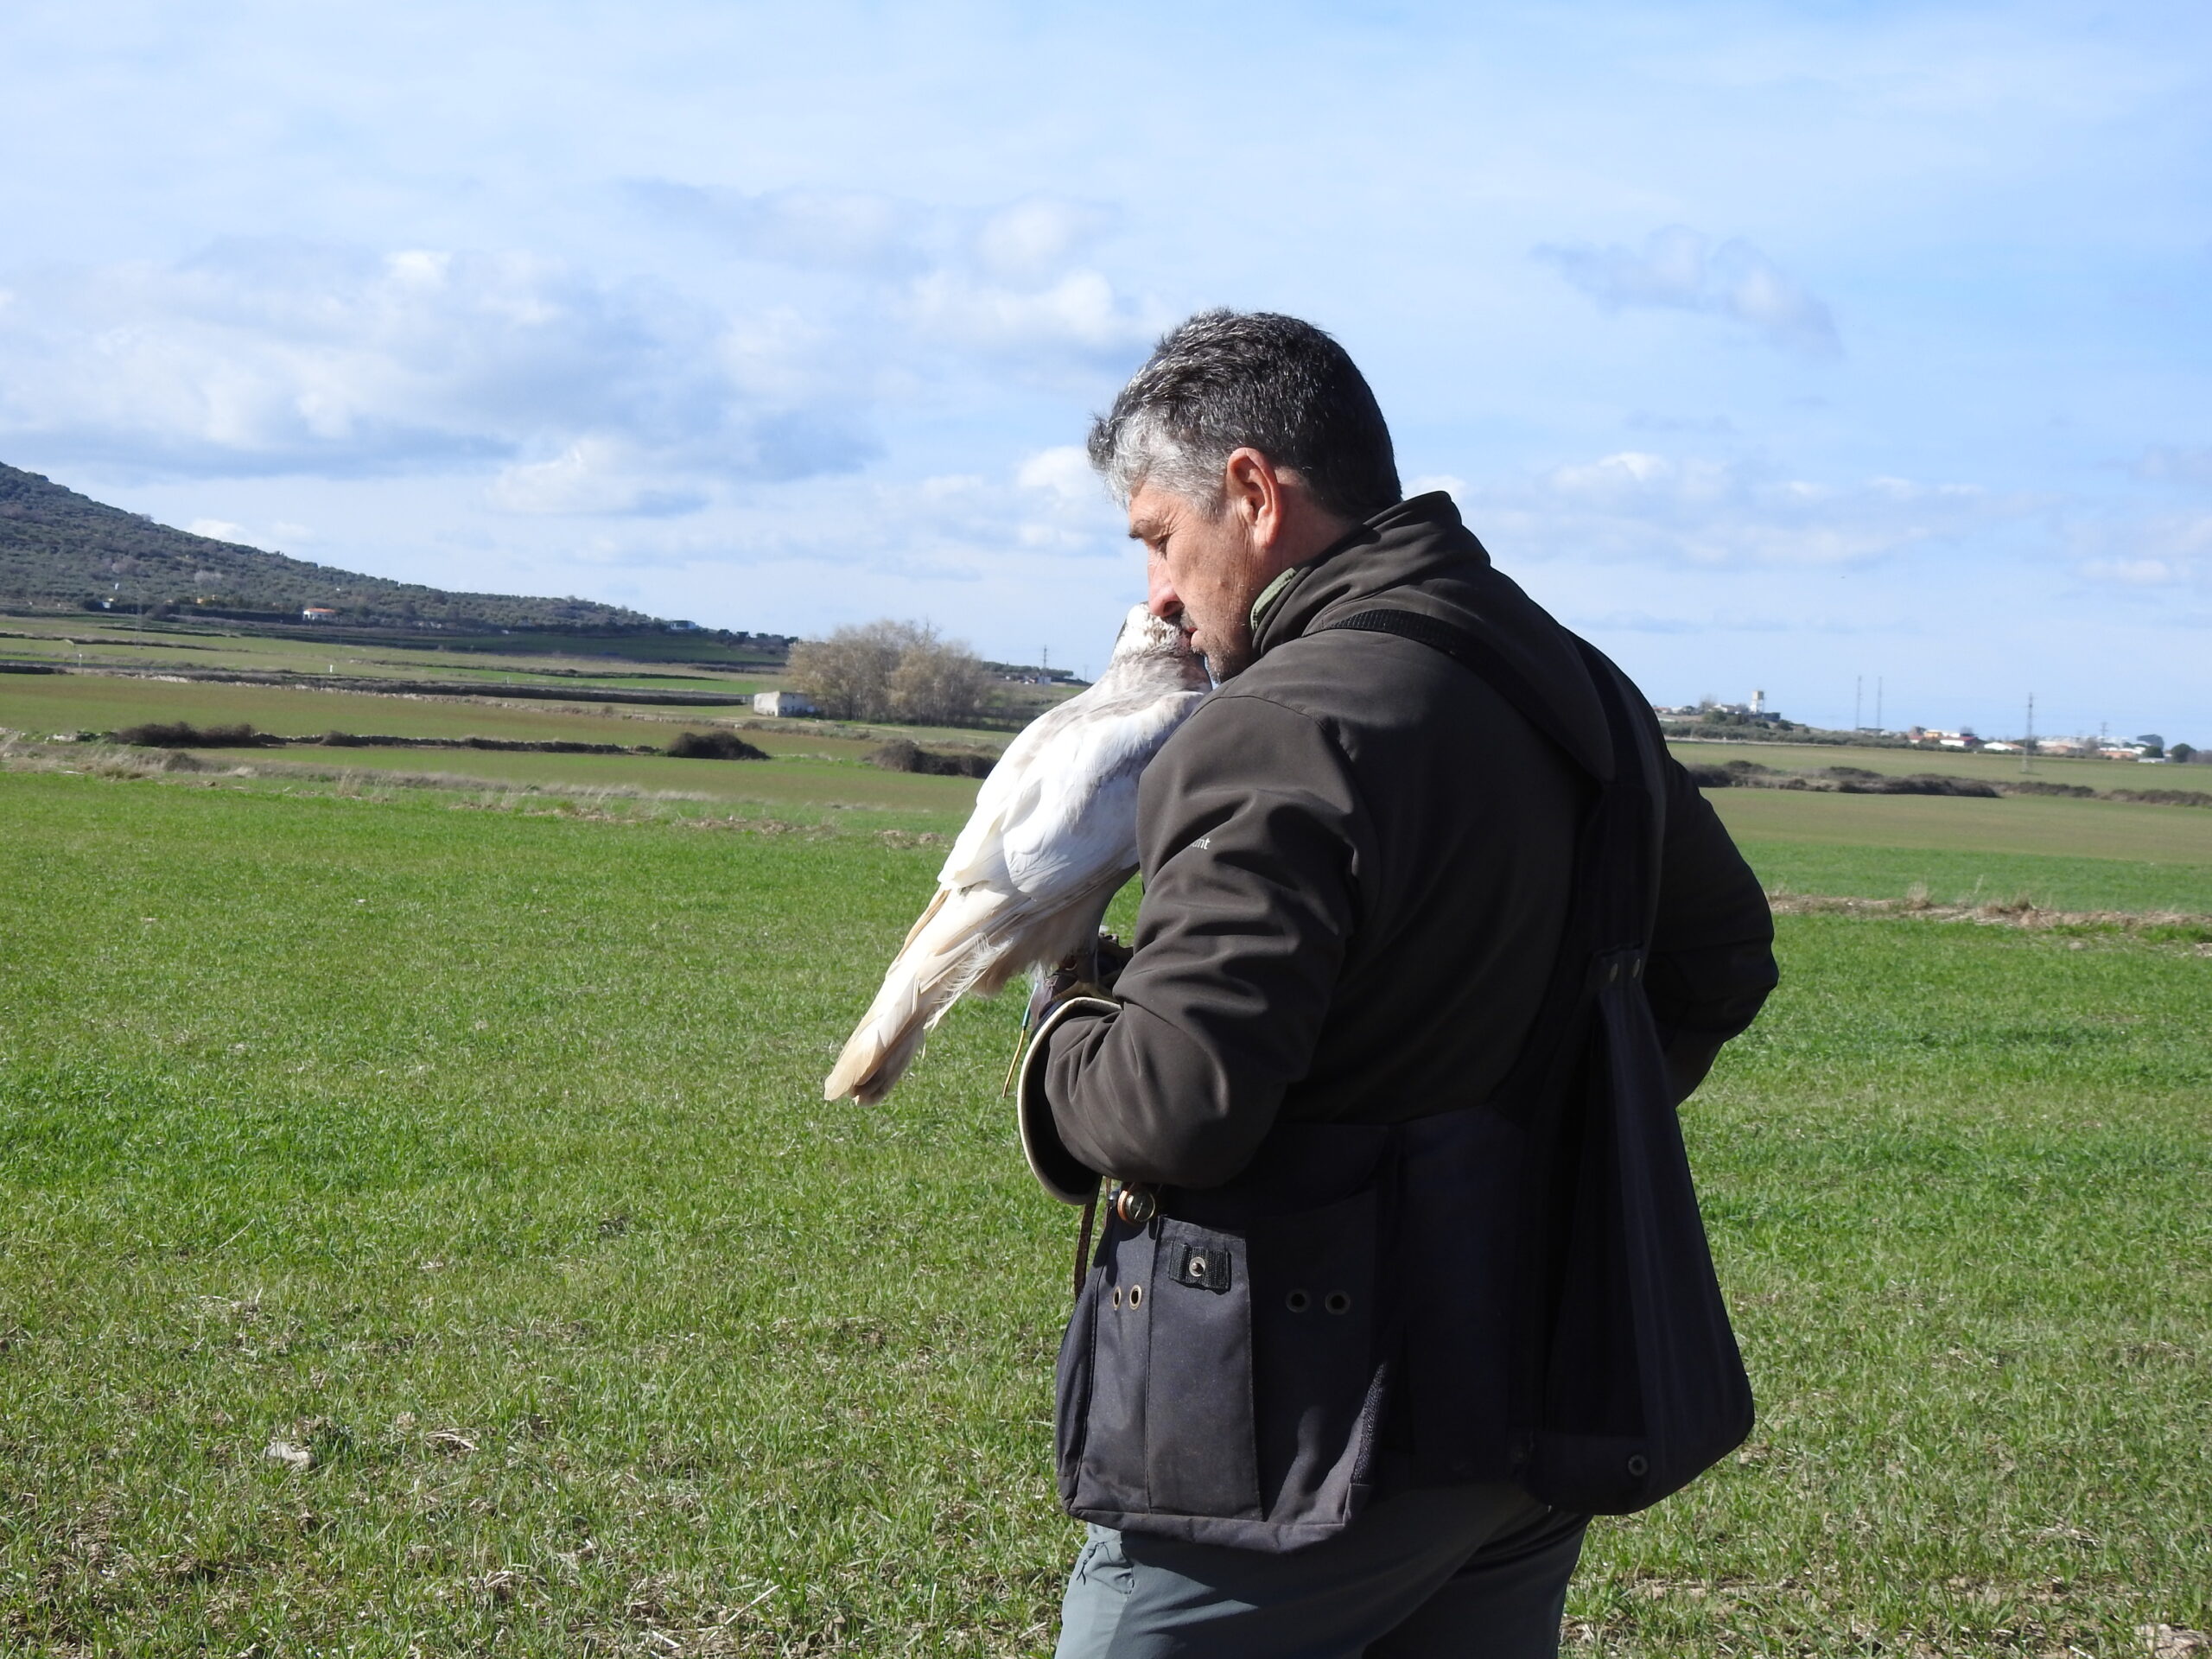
(1146, 636)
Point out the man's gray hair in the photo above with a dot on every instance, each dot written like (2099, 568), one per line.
(1229, 380)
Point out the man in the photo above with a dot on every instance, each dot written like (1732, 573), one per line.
(1358, 857)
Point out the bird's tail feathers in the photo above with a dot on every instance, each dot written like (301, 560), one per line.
(947, 953)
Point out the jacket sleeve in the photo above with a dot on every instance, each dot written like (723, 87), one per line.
(1713, 941)
(1253, 840)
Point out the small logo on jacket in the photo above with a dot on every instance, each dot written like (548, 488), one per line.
(1203, 841)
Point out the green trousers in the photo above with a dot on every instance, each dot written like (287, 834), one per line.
(1468, 1571)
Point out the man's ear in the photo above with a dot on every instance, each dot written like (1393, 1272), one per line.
(1251, 490)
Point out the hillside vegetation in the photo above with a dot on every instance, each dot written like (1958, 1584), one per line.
(63, 551)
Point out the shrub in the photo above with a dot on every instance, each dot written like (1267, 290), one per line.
(900, 755)
(182, 735)
(1920, 783)
(713, 746)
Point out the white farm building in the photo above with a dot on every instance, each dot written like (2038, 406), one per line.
(783, 702)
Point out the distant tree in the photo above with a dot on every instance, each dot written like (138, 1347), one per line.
(890, 671)
(848, 674)
(938, 682)
(2183, 753)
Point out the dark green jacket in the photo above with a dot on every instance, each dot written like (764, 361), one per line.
(1355, 857)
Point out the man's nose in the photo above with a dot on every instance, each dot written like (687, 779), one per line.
(1160, 597)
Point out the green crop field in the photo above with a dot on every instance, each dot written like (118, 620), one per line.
(803, 783)
(43, 705)
(104, 640)
(1990, 768)
(473, 1161)
(2063, 853)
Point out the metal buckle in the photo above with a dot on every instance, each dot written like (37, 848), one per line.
(1135, 1205)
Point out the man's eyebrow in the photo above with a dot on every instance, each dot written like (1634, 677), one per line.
(1143, 530)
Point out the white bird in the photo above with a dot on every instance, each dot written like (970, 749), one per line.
(1052, 838)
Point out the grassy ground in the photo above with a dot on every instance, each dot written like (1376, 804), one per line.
(480, 1154)
(2045, 825)
(110, 641)
(672, 661)
(1991, 768)
(797, 783)
(43, 705)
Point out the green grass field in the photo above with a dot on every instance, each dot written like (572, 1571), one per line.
(480, 1154)
(43, 705)
(673, 662)
(1990, 768)
(2067, 854)
(107, 640)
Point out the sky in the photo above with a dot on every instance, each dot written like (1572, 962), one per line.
(1782, 347)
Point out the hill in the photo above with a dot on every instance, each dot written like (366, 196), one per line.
(63, 551)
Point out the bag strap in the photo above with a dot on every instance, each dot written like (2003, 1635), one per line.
(1617, 855)
(1472, 652)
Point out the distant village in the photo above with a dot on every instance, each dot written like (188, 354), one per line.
(1720, 722)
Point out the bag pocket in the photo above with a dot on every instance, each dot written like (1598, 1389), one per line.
(1320, 1379)
(1201, 1455)
(1223, 1384)
(1154, 1388)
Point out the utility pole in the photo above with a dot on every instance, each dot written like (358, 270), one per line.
(1858, 698)
(1877, 702)
(2028, 743)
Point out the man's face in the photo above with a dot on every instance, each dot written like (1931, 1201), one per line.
(1203, 569)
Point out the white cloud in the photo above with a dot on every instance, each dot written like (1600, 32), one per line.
(261, 357)
(1450, 483)
(1679, 269)
(1081, 311)
(846, 230)
(280, 357)
(592, 475)
(2155, 551)
(1032, 239)
(1065, 472)
(2176, 465)
(1638, 505)
(220, 530)
(2138, 573)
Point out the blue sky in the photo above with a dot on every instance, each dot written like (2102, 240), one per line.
(1770, 345)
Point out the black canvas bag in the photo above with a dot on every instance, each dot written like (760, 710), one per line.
(1222, 1378)
(1630, 1383)
(1519, 1289)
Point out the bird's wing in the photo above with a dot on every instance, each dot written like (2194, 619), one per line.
(1007, 794)
(1080, 819)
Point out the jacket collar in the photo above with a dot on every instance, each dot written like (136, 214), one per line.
(1420, 536)
(1418, 556)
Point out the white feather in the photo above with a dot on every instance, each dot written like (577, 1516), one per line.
(1052, 838)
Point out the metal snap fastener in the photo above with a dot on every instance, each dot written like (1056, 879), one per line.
(1639, 1465)
(1137, 1295)
(1337, 1302)
(1197, 1267)
(1135, 1205)
(1298, 1301)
